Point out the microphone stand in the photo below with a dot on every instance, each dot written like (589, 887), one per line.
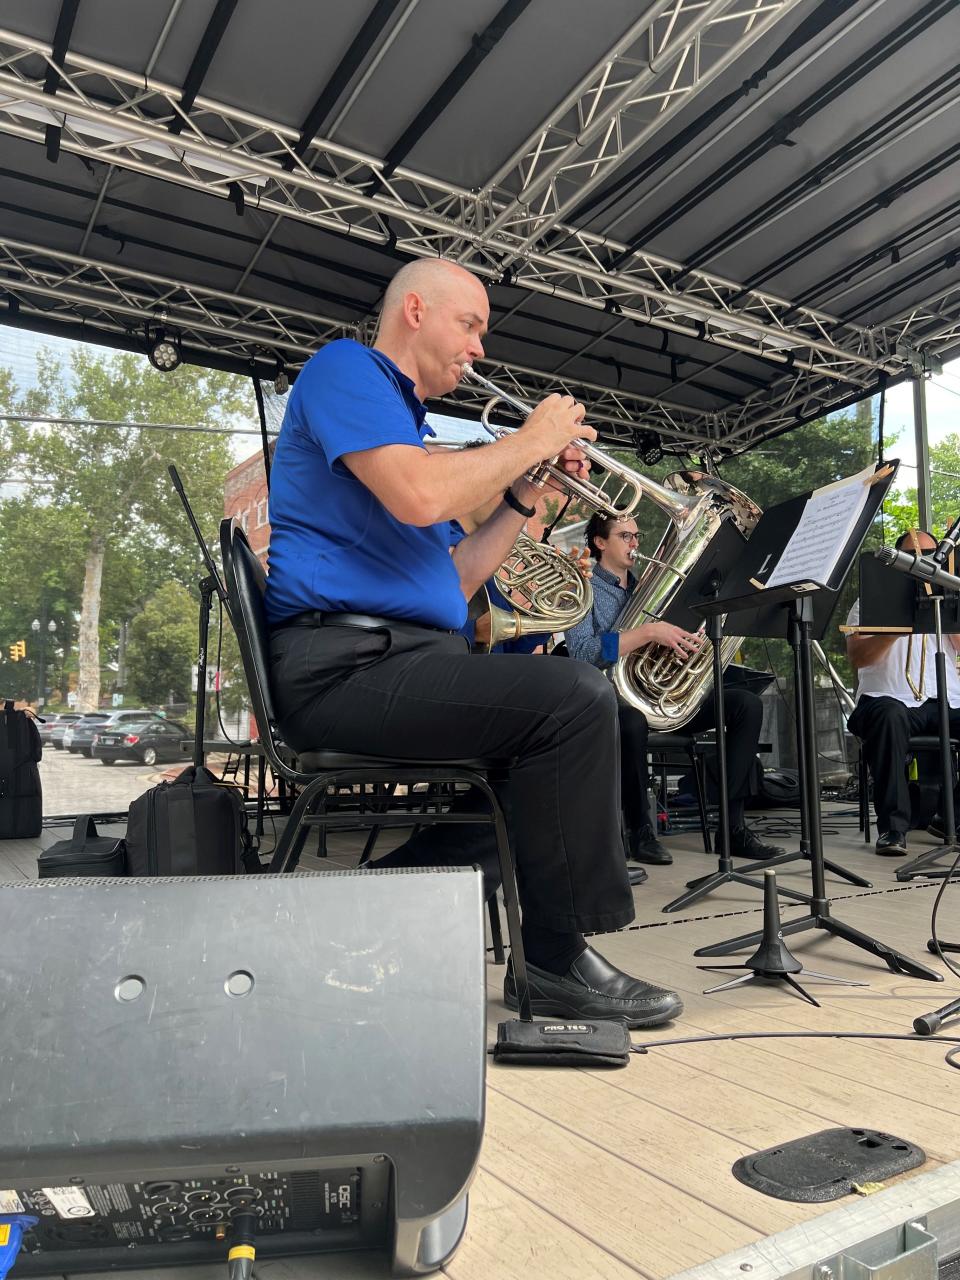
(928, 569)
(928, 1024)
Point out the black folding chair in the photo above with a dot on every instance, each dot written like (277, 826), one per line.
(667, 748)
(928, 742)
(313, 773)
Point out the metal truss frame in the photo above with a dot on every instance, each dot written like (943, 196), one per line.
(85, 291)
(52, 284)
(669, 54)
(932, 325)
(114, 116)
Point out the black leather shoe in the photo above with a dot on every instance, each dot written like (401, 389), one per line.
(745, 843)
(643, 846)
(891, 844)
(636, 875)
(593, 988)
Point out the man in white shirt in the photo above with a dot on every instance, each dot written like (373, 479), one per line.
(897, 697)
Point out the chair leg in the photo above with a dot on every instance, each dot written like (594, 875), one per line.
(496, 935)
(698, 778)
(372, 836)
(511, 900)
(863, 781)
(290, 845)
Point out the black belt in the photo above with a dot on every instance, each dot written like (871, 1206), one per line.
(365, 621)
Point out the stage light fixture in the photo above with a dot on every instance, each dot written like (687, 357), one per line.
(164, 353)
(649, 446)
(281, 379)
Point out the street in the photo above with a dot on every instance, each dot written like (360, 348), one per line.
(74, 784)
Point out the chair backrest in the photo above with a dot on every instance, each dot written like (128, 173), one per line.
(246, 582)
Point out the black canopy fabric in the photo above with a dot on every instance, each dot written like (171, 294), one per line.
(712, 219)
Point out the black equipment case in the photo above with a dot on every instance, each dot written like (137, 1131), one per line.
(193, 826)
(21, 799)
(84, 854)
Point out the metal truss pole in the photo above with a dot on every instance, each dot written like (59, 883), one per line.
(925, 511)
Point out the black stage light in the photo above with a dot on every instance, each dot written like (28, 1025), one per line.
(281, 379)
(649, 446)
(164, 353)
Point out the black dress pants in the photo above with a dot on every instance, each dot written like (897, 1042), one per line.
(743, 712)
(884, 726)
(407, 692)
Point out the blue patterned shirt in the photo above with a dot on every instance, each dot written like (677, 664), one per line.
(594, 640)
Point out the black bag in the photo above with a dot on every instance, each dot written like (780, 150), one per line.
(193, 826)
(21, 800)
(778, 788)
(85, 854)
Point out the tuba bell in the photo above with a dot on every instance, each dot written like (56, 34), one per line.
(667, 688)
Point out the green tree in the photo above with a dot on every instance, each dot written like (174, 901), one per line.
(944, 490)
(162, 646)
(111, 484)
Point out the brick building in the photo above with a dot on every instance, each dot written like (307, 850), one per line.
(245, 497)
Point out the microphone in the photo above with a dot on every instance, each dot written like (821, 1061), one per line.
(950, 540)
(929, 1024)
(923, 567)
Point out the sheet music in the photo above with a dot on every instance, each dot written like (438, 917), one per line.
(829, 518)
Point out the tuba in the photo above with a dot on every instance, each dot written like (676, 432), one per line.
(546, 591)
(668, 689)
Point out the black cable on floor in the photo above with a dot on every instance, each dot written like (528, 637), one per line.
(950, 1057)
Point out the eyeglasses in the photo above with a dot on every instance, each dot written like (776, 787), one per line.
(627, 537)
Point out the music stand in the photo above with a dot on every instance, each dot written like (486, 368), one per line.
(802, 610)
(895, 601)
(704, 583)
(207, 586)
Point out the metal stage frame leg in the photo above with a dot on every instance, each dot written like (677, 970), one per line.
(819, 916)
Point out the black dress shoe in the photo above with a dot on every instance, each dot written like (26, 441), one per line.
(643, 846)
(593, 988)
(636, 875)
(745, 843)
(891, 844)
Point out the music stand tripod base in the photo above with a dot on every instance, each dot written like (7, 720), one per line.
(923, 864)
(773, 962)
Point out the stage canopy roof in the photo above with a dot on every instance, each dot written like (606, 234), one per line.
(712, 219)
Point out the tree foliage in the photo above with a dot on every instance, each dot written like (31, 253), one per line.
(162, 645)
(91, 524)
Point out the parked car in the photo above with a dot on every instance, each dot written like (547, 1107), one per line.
(147, 741)
(84, 722)
(53, 720)
(80, 739)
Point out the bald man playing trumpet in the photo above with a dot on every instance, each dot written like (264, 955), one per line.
(365, 600)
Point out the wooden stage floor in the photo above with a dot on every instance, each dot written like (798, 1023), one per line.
(611, 1175)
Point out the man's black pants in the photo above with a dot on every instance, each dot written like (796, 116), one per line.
(743, 712)
(884, 726)
(407, 692)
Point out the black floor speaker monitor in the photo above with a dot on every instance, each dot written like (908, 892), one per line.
(175, 1053)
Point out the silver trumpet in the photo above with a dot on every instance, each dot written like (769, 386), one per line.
(619, 490)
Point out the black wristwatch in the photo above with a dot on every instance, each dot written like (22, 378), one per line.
(512, 501)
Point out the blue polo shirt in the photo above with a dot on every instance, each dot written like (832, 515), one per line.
(333, 545)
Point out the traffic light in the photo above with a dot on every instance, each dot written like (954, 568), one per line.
(18, 650)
